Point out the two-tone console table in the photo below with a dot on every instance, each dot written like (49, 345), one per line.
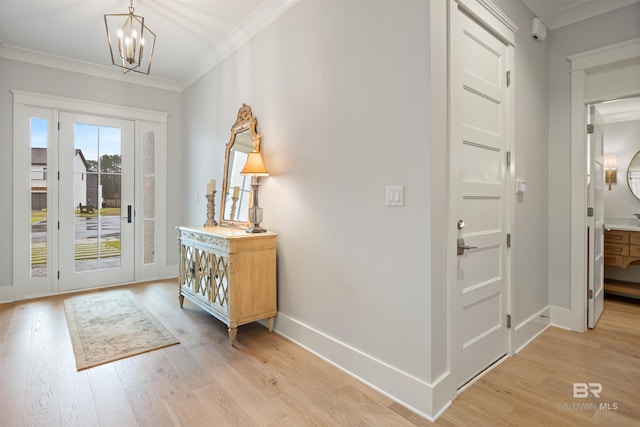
(229, 273)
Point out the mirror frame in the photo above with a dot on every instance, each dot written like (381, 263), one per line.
(244, 122)
(635, 157)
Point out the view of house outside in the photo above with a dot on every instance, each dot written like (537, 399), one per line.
(97, 184)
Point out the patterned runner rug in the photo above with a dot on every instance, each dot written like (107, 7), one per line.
(112, 325)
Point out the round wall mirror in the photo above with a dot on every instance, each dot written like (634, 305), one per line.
(633, 175)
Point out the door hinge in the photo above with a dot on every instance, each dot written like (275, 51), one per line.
(58, 125)
(508, 78)
(508, 321)
(508, 240)
(58, 274)
(590, 294)
(58, 175)
(58, 225)
(508, 158)
(589, 212)
(590, 129)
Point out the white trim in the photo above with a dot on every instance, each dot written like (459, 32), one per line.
(402, 387)
(606, 56)
(525, 332)
(85, 106)
(440, 293)
(492, 17)
(73, 65)
(561, 317)
(597, 62)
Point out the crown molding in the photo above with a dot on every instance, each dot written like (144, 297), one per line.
(73, 65)
(256, 22)
(489, 14)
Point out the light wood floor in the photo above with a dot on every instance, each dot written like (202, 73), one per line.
(268, 381)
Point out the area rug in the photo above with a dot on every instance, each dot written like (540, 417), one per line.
(112, 325)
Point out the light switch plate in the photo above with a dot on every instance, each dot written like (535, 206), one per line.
(395, 195)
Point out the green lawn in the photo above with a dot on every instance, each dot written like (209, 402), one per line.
(37, 216)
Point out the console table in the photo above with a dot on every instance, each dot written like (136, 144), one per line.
(229, 273)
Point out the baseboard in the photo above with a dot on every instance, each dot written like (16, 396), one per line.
(407, 390)
(170, 271)
(561, 317)
(528, 330)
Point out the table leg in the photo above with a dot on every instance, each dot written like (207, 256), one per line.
(232, 335)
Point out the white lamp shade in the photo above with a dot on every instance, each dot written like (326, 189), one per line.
(610, 161)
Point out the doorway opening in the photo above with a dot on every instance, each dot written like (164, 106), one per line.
(621, 196)
(89, 206)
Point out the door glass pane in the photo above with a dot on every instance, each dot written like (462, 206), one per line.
(149, 180)
(39, 131)
(97, 187)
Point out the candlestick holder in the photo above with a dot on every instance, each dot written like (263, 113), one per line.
(211, 210)
(234, 206)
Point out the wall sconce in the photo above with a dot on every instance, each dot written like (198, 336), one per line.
(255, 168)
(610, 169)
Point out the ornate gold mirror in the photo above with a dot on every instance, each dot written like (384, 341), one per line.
(236, 189)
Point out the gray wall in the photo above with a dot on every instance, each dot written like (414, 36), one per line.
(340, 93)
(603, 30)
(530, 157)
(44, 80)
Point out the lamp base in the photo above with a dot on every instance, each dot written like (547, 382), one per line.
(255, 229)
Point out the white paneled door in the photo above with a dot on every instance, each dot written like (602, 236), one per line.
(595, 218)
(479, 141)
(96, 197)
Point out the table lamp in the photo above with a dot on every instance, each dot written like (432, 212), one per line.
(255, 168)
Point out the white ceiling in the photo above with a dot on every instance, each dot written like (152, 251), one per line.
(558, 13)
(620, 110)
(192, 35)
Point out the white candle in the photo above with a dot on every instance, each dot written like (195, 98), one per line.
(211, 186)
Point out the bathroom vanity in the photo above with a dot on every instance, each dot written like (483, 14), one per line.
(622, 249)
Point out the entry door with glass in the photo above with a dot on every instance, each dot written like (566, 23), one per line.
(96, 196)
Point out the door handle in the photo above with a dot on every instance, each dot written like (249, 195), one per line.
(128, 217)
(462, 247)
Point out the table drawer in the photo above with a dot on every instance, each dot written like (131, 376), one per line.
(634, 238)
(616, 249)
(614, 260)
(617, 236)
(634, 251)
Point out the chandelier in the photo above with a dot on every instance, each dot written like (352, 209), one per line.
(131, 42)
